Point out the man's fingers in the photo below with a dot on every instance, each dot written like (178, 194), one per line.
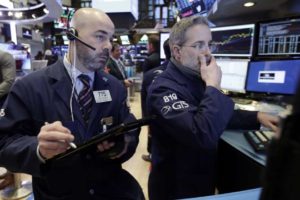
(105, 145)
(202, 60)
(55, 136)
(57, 125)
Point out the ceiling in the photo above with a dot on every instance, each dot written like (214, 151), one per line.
(231, 12)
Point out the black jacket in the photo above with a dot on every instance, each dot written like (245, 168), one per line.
(190, 120)
(152, 61)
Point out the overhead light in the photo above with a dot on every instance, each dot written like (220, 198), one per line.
(249, 4)
(46, 11)
(18, 15)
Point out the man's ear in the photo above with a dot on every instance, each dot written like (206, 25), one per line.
(176, 51)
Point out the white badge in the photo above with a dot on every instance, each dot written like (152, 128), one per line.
(102, 96)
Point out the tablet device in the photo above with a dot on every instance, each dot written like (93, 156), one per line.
(109, 134)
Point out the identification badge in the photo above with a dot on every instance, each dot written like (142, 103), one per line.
(102, 96)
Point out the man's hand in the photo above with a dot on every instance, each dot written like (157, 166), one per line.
(269, 121)
(211, 74)
(105, 145)
(54, 139)
(127, 83)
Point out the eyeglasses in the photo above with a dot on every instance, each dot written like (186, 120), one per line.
(201, 46)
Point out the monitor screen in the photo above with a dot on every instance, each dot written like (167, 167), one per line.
(60, 50)
(234, 73)
(62, 21)
(279, 38)
(163, 38)
(279, 77)
(188, 8)
(56, 50)
(124, 40)
(233, 41)
(66, 40)
(144, 39)
(27, 33)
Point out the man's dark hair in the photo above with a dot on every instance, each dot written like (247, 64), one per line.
(114, 46)
(167, 49)
(154, 40)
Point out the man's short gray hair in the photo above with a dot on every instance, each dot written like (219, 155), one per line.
(177, 35)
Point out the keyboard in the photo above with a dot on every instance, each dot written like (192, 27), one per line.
(259, 140)
(241, 101)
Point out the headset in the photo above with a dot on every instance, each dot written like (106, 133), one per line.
(72, 35)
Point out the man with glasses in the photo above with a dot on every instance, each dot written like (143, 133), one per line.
(192, 113)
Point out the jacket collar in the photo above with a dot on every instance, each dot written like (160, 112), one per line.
(62, 85)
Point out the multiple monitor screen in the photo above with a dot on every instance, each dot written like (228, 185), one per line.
(272, 72)
(269, 76)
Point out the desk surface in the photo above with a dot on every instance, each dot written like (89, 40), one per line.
(242, 195)
(237, 140)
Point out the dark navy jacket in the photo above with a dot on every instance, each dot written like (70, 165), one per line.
(147, 80)
(44, 96)
(191, 118)
(153, 60)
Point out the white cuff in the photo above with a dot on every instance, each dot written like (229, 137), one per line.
(39, 155)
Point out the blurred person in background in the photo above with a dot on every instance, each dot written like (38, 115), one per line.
(153, 60)
(50, 57)
(7, 74)
(148, 77)
(39, 56)
(116, 67)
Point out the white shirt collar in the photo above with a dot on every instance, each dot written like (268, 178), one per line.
(74, 72)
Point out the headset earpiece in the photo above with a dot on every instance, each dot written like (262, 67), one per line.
(72, 34)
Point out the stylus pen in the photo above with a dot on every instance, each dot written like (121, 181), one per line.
(71, 144)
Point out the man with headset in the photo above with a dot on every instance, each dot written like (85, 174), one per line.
(47, 110)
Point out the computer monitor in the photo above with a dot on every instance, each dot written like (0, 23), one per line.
(66, 40)
(63, 22)
(143, 39)
(233, 41)
(234, 73)
(124, 40)
(274, 77)
(188, 8)
(279, 38)
(163, 38)
(60, 50)
(26, 33)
